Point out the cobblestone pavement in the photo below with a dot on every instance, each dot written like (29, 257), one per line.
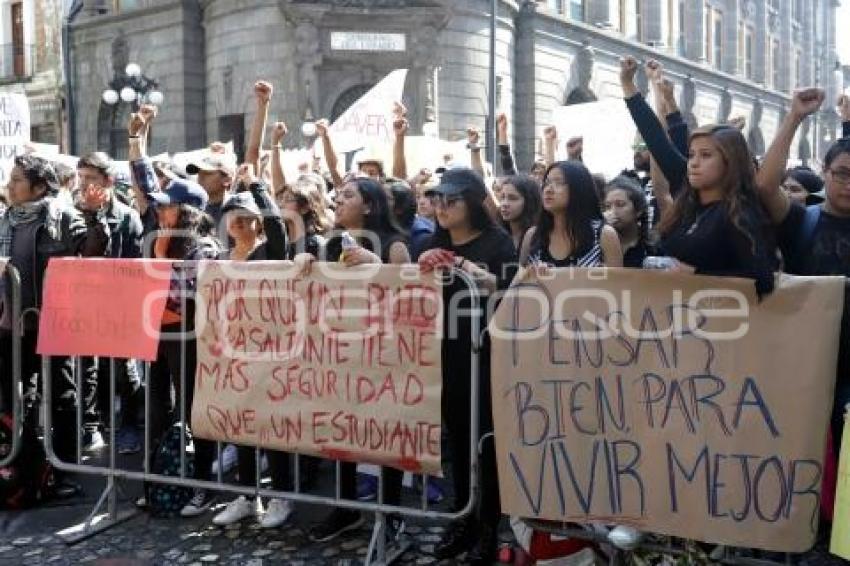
(29, 538)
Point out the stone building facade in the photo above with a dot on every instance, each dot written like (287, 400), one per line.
(728, 58)
(31, 62)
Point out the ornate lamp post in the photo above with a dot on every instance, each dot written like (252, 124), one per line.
(135, 88)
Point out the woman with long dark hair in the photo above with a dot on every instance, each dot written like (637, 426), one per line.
(627, 211)
(468, 239)
(519, 205)
(716, 226)
(571, 231)
(306, 217)
(363, 212)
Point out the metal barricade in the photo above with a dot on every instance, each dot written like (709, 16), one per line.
(13, 279)
(96, 523)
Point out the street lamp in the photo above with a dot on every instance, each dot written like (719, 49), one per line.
(133, 88)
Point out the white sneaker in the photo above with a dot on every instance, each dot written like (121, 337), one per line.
(228, 457)
(237, 510)
(277, 513)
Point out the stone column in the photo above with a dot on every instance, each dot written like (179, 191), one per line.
(525, 117)
(786, 48)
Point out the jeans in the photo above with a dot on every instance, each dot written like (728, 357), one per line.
(165, 374)
(96, 391)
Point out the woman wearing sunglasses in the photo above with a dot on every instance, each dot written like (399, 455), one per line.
(467, 238)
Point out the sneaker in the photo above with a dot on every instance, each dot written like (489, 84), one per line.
(93, 441)
(367, 487)
(228, 458)
(128, 440)
(238, 509)
(277, 513)
(338, 522)
(199, 504)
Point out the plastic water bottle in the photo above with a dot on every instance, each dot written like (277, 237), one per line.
(663, 263)
(348, 242)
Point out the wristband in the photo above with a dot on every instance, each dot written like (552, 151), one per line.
(133, 137)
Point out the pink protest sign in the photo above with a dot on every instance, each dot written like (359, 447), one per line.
(103, 307)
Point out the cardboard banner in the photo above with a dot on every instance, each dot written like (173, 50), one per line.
(103, 307)
(370, 119)
(671, 403)
(608, 131)
(14, 130)
(840, 537)
(344, 364)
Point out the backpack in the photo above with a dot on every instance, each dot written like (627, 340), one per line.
(806, 237)
(167, 500)
(29, 479)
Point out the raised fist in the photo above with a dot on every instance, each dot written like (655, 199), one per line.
(654, 70)
(628, 69)
(279, 132)
(322, 128)
(844, 107)
(263, 91)
(550, 133)
(473, 135)
(807, 101)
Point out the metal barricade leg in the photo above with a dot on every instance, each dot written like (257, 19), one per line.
(95, 522)
(16, 403)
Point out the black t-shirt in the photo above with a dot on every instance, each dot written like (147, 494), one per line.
(494, 250)
(634, 256)
(714, 245)
(828, 252)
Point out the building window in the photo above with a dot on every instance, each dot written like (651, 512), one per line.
(774, 64)
(577, 10)
(798, 71)
(630, 19)
(556, 6)
(713, 36)
(680, 44)
(119, 6)
(745, 49)
(232, 127)
(18, 46)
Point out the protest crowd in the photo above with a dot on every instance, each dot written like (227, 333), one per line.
(693, 201)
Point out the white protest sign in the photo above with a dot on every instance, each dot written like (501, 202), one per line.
(608, 131)
(370, 119)
(14, 130)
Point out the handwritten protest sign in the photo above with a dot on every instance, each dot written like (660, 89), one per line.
(668, 402)
(602, 154)
(14, 130)
(370, 119)
(344, 364)
(840, 541)
(103, 307)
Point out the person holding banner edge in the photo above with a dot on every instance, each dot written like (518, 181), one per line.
(467, 238)
(362, 209)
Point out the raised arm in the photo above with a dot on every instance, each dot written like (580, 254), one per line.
(672, 163)
(400, 128)
(279, 131)
(263, 93)
(772, 170)
(844, 112)
(141, 168)
(473, 136)
(508, 167)
(550, 141)
(323, 131)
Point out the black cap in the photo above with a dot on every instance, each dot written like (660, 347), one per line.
(460, 181)
(181, 192)
(241, 201)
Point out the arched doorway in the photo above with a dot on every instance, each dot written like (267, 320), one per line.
(347, 98)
